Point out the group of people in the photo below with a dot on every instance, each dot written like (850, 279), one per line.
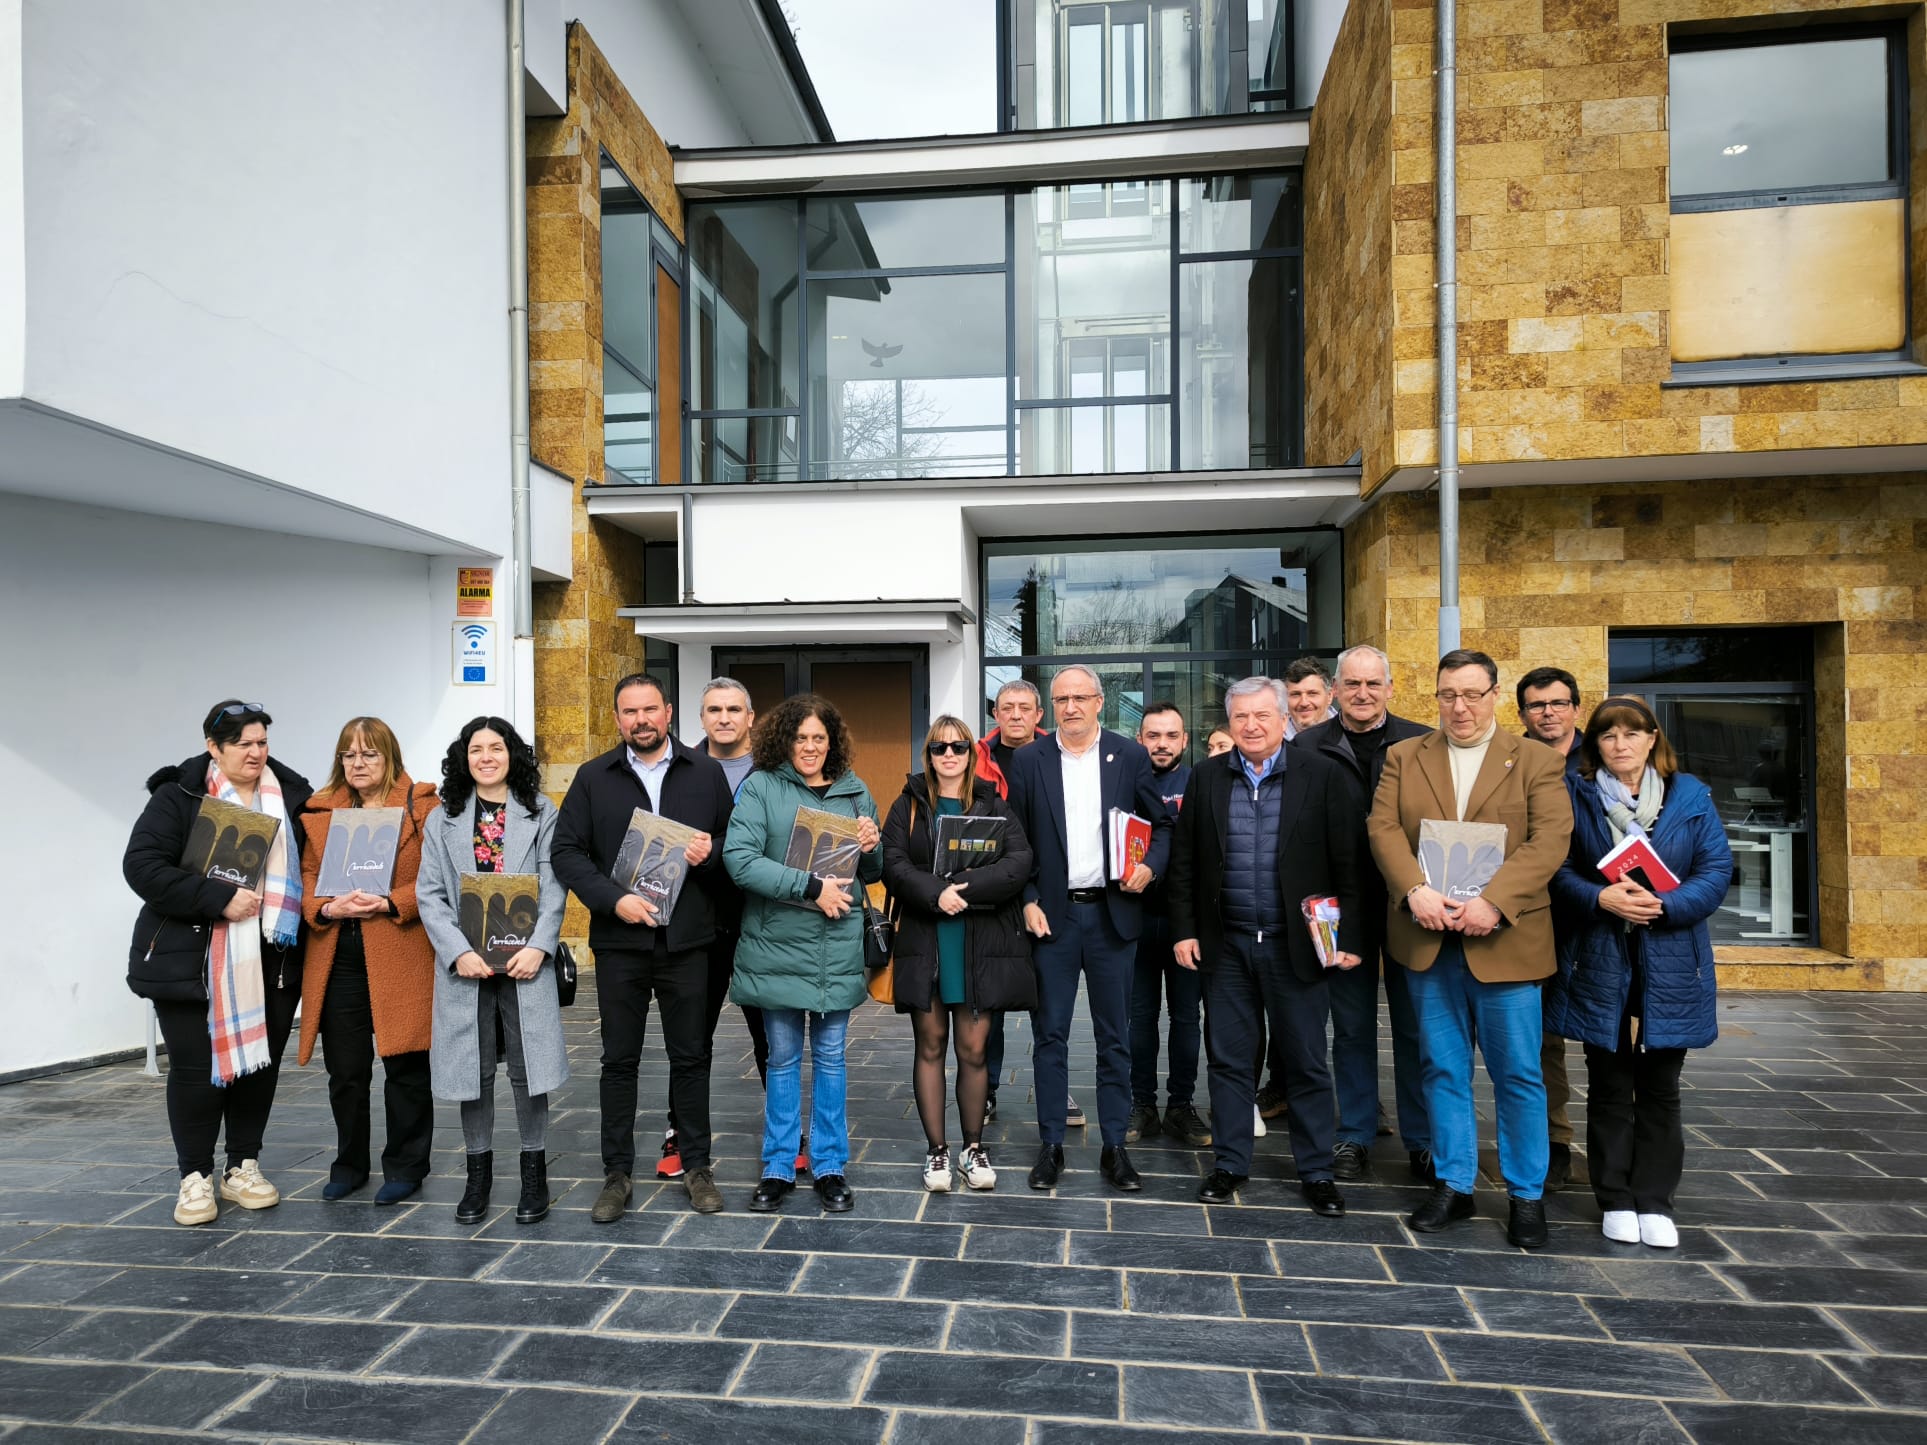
(1308, 791)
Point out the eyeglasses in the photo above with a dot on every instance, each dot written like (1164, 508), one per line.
(1453, 699)
(1563, 704)
(359, 757)
(1082, 699)
(955, 746)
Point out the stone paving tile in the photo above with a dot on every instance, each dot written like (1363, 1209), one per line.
(1795, 1308)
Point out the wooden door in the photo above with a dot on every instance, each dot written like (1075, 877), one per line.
(876, 701)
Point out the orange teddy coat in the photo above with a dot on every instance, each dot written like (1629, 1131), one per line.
(401, 961)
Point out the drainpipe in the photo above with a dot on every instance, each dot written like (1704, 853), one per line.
(1447, 249)
(521, 675)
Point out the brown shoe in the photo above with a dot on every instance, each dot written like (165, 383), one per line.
(704, 1197)
(613, 1199)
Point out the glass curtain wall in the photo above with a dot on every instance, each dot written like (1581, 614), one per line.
(1001, 332)
(1178, 618)
(641, 342)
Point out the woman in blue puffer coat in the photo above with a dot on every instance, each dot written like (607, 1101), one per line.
(1635, 982)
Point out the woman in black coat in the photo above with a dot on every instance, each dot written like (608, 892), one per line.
(961, 950)
(221, 961)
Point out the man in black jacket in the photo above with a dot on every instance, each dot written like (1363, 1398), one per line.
(1263, 828)
(1356, 741)
(637, 952)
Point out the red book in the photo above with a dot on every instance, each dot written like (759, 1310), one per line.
(1130, 842)
(1636, 855)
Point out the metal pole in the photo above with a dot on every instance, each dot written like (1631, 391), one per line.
(522, 665)
(1447, 249)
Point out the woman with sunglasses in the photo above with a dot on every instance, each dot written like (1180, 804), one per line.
(369, 983)
(1636, 980)
(220, 961)
(961, 949)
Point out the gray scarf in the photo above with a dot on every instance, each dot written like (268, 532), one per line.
(1623, 816)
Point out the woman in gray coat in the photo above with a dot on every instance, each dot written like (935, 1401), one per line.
(494, 819)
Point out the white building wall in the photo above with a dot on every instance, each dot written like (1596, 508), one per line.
(276, 237)
(119, 632)
(656, 55)
(794, 547)
(13, 225)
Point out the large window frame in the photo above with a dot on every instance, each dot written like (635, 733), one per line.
(663, 256)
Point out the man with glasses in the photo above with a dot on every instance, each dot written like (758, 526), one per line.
(1474, 964)
(1548, 700)
(1356, 741)
(1084, 917)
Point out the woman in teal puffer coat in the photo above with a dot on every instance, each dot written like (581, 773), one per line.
(800, 955)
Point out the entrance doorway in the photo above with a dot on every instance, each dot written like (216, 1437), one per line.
(882, 692)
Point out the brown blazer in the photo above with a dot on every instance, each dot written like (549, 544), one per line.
(401, 961)
(1522, 785)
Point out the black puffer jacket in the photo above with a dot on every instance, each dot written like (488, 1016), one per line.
(998, 973)
(168, 956)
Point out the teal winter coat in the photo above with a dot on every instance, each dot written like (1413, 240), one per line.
(789, 955)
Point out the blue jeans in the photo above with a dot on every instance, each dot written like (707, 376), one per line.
(783, 1096)
(1451, 1005)
(1159, 979)
(1354, 996)
(1083, 944)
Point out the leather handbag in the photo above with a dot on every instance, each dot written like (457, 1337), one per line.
(566, 976)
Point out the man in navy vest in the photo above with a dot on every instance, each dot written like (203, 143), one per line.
(1262, 829)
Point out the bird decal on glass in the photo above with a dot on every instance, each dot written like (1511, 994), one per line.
(881, 352)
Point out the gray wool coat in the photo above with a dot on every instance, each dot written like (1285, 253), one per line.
(448, 851)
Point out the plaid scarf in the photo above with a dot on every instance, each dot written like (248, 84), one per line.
(237, 1012)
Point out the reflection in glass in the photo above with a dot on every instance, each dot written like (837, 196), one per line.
(742, 345)
(1113, 62)
(1749, 655)
(1768, 117)
(628, 331)
(1239, 213)
(745, 449)
(1086, 440)
(907, 377)
(1094, 290)
(1267, 50)
(1238, 342)
(627, 418)
(861, 234)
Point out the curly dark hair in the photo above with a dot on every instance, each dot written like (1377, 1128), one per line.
(776, 731)
(525, 774)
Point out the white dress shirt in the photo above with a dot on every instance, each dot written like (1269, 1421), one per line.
(652, 774)
(1083, 815)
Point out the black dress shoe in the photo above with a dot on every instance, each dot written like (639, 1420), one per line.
(1558, 1167)
(1324, 1198)
(1050, 1164)
(1118, 1168)
(1423, 1169)
(1444, 1206)
(1219, 1186)
(1349, 1160)
(770, 1194)
(1527, 1226)
(834, 1193)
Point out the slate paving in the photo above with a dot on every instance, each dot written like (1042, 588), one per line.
(1794, 1309)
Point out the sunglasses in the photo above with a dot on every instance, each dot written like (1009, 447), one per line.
(953, 746)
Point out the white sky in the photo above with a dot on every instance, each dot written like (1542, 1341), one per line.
(901, 67)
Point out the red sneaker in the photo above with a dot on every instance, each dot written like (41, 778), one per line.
(670, 1165)
(803, 1158)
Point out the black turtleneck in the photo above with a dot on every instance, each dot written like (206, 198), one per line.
(1366, 745)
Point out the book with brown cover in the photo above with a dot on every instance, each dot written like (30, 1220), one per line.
(230, 843)
(650, 862)
(498, 913)
(360, 852)
(823, 843)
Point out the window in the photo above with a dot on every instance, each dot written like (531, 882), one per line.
(641, 338)
(1789, 234)
(1737, 706)
(744, 362)
(1160, 617)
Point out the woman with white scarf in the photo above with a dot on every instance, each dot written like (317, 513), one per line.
(221, 962)
(1635, 982)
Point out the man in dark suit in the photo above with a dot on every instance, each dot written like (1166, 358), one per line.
(1262, 829)
(1085, 922)
(1356, 741)
(637, 952)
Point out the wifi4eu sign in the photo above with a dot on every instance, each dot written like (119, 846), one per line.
(475, 653)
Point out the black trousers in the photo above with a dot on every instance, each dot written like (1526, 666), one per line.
(722, 968)
(1248, 986)
(1635, 1143)
(625, 980)
(348, 1051)
(196, 1107)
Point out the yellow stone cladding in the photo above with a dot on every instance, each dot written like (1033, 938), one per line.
(1563, 223)
(1547, 571)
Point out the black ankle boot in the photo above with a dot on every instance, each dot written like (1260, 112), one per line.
(535, 1187)
(481, 1178)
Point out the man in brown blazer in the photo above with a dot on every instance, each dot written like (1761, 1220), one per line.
(1475, 964)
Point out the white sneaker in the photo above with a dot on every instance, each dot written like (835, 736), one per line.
(244, 1185)
(1621, 1226)
(1257, 1122)
(936, 1170)
(1658, 1231)
(196, 1203)
(1073, 1116)
(977, 1172)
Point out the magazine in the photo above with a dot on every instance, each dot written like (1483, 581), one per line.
(360, 852)
(650, 863)
(1321, 917)
(960, 842)
(824, 844)
(1636, 857)
(230, 843)
(1459, 859)
(499, 912)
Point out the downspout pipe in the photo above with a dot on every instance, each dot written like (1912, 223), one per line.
(521, 674)
(1447, 256)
